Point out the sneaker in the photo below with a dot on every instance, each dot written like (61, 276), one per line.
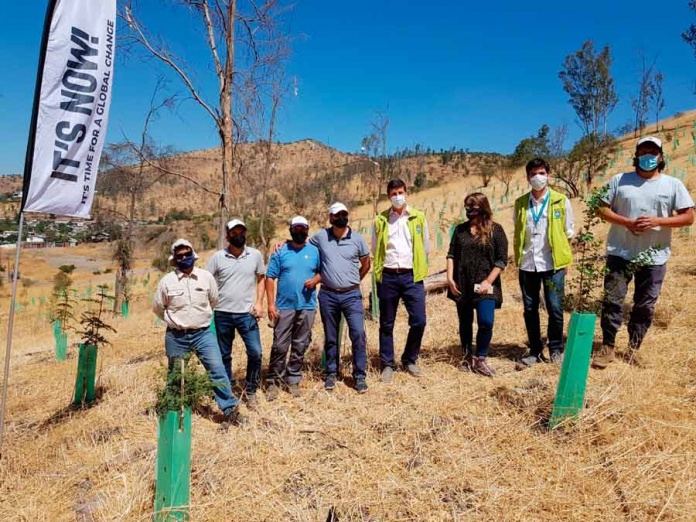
(272, 392)
(414, 370)
(252, 401)
(232, 418)
(361, 386)
(526, 362)
(330, 382)
(557, 358)
(387, 375)
(294, 390)
(480, 366)
(605, 356)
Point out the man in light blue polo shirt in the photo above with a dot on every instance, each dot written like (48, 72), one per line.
(643, 207)
(240, 274)
(345, 260)
(291, 279)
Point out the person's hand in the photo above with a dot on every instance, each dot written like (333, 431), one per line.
(273, 314)
(632, 226)
(310, 284)
(454, 288)
(277, 246)
(644, 223)
(257, 311)
(484, 287)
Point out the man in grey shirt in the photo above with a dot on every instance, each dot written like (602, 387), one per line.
(240, 274)
(642, 207)
(345, 260)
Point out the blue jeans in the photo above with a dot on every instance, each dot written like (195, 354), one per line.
(553, 282)
(393, 288)
(485, 317)
(203, 344)
(332, 305)
(248, 327)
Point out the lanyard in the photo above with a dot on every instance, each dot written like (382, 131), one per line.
(536, 217)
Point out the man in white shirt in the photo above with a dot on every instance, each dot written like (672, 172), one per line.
(543, 227)
(184, 300)
(400, 244)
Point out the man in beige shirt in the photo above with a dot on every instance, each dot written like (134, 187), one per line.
(184, 300)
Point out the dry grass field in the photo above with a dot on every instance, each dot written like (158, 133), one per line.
(451, 446)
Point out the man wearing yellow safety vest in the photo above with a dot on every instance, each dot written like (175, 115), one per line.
(543, 227)
(401, 244)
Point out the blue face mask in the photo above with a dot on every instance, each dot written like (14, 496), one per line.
(647, 162)
(185, 263)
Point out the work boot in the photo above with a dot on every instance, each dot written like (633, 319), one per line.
(361, 385)
(272, 392)
(413, 369)
(557, 358)
(232, 418)
(604, 357)
(634, 358)
(526, 362)
(330, 382)
(480, 366)
(466, 364)
(252, 401)
(294, 390)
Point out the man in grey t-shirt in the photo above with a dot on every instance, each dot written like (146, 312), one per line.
(345, 260)
(240, 274)
(642, 207)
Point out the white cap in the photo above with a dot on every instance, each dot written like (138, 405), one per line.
(650, 139)
(336, 208)
(181, 242)
(299, 220)
(235, 223)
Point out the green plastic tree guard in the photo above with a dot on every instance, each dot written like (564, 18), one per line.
(57, 328)
(125, 309)
(173, 479)
(570, 395)
(61, 346)
(86, 375)
(374, 302)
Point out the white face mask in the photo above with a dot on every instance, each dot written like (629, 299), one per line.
(539, 181)
(399, 200)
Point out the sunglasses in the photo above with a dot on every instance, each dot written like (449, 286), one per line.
(182, 255)
(469, 209)
(341, 214)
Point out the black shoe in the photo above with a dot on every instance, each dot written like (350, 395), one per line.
(330, 382)
(361, 386)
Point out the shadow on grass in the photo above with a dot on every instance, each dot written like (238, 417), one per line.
(71, 410)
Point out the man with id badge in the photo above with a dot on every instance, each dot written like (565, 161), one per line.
(543, 227)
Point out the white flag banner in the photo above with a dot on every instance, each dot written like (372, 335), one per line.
(71, 107)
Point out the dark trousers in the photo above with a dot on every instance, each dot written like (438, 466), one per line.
(393, 288)
(553, 282)
(332, 305)
(248, 327)
(648, 283)
(485, 316)
(293, 330)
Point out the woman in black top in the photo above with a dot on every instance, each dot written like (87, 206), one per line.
(477, 255)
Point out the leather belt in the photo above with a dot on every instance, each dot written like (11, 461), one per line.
(397, 270)
(186, 330)
(340, 290)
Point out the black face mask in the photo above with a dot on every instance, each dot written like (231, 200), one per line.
(299, 237)
(238, 241)
(341, 222)
(474, 212)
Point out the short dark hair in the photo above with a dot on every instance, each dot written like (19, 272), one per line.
(395, 184)
(536, 163)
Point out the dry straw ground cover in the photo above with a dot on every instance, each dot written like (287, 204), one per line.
(451, 446)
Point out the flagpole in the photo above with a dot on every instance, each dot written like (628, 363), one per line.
(10, 324)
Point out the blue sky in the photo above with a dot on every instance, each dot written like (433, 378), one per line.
(477, 75)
